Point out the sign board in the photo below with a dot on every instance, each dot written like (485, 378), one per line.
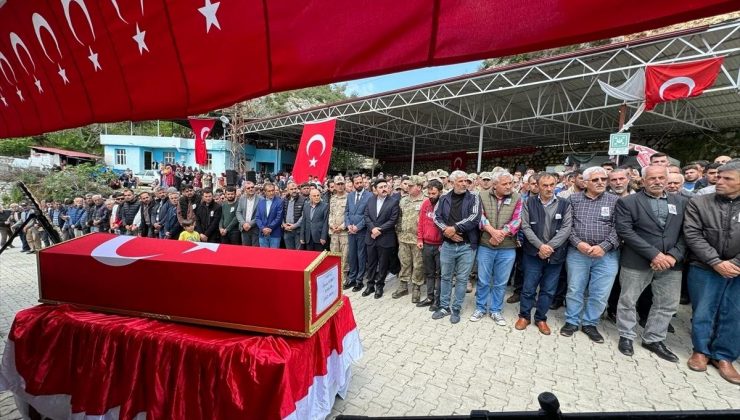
(619, 144)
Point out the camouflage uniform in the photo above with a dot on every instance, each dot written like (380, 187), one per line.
(339, 241)
(411, 262)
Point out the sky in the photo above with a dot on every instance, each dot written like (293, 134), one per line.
(378, 84)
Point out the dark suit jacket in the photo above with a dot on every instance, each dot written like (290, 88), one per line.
(316, 228)
(643, 238)
(385, 220)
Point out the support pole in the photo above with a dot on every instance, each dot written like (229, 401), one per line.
(480, 148)
(622, 118)
(413, 153)
(372, 171)
(158, 131)
(277, 156)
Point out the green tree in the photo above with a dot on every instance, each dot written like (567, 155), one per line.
(74, 180)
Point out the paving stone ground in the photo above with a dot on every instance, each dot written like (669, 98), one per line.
(414, 365)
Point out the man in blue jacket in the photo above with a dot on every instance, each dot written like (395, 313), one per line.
(458, 217)
(354, 220)
(269, 218)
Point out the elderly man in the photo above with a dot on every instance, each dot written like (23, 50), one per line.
(500, 223)
(408, 253)
(649, 224)
(315, 222)
(593, 257)
(458, 215)
(246, 212)
(712, 229)
(546, 225)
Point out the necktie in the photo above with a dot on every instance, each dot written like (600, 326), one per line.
(357, 198)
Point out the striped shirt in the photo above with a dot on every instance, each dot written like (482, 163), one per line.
(593, 220)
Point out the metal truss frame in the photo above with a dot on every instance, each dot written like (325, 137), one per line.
(546, 100)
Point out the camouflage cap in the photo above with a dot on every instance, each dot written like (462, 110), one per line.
(485, 175)
(442, 173)
(416, 180)
(472, 176)
(339, 179)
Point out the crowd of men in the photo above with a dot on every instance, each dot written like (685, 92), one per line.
(669, 235)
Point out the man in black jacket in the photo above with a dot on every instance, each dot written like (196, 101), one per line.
(381, 215)
(649, 224)
(315, 223)
(127, 213)
(207, 217)
(292, 217)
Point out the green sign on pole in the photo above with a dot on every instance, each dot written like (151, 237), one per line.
(619, 144)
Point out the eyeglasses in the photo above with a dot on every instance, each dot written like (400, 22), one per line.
(599, 179)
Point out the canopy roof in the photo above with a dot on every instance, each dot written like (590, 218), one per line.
(66, 153)
(539, 103)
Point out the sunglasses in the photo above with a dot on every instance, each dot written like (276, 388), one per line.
(599, 179)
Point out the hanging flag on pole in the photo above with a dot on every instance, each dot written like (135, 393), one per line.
(202, 128)
(459, 161)
(314, 152)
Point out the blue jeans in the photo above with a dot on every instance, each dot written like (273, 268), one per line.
(357, 256)
(538, 273)
(457, 261)
(269, 242)
(494, 268)
(292, 239)
(595, 274)
(715, 326)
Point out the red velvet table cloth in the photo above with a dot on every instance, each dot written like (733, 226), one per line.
(172, 371)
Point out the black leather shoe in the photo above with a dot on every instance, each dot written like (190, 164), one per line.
(368, 291)
(378, 293)
(661, 351)
(348, 285)
(685, 300)
(671, 329)
(568, 330)
(625, 346)
(555, 305)
(357, 287)
(425, 302)
(592, 333)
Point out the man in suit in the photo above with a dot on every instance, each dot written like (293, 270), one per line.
(381, 215)
(315, 223)
(650, 225)
(354, 220)
(269, 218)
(246, 211)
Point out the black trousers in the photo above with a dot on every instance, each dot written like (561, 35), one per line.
(562, 289)
(378, 261)
(232, 237)
(313, 246)
(518, 272)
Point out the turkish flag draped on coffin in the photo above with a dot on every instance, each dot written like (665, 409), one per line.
(314, 153)
(669, 82)
(73, 62)
(202, 128)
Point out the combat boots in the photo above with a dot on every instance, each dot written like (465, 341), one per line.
(403, 290)
(415, 293)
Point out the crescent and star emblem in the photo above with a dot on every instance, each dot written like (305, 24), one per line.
(681, 80)
(40, 22)
(107, 252)
(315, 138)
(83, 6)
(204, 132)
(455, 164)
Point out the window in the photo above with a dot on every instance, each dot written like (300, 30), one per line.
(120, 156)
(169, 157)
(209, 162)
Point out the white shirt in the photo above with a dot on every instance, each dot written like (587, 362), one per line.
(250, 206)
(379, 206)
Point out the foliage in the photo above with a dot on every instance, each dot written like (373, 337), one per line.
(14, 196)
(72, 181)
(16, 147)
(346, 160)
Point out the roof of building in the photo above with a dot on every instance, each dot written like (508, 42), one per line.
(67, 153)
(553, 101)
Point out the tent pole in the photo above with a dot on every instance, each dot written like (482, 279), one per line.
(413, 153)
(372, 171)
(480, 148)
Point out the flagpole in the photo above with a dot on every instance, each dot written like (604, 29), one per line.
(372, 171)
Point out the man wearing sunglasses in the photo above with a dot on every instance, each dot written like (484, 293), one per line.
(593, 257)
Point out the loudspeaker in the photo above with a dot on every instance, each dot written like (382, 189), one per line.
(231, 177)
(252, 176)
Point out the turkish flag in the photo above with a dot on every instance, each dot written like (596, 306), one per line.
(314, 152)
(459, 161)
(669, 82)
(202, 128)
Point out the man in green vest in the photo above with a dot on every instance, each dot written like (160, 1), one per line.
(500, 223)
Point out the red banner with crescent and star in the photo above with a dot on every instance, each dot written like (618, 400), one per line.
(73, 62)
(202, 128)
(458, 161)
(669, 82)
(314, 153)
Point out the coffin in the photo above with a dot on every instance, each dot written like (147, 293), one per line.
(274, 291)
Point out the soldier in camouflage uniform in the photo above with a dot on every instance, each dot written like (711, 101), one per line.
(339, 242)
(412, 267)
